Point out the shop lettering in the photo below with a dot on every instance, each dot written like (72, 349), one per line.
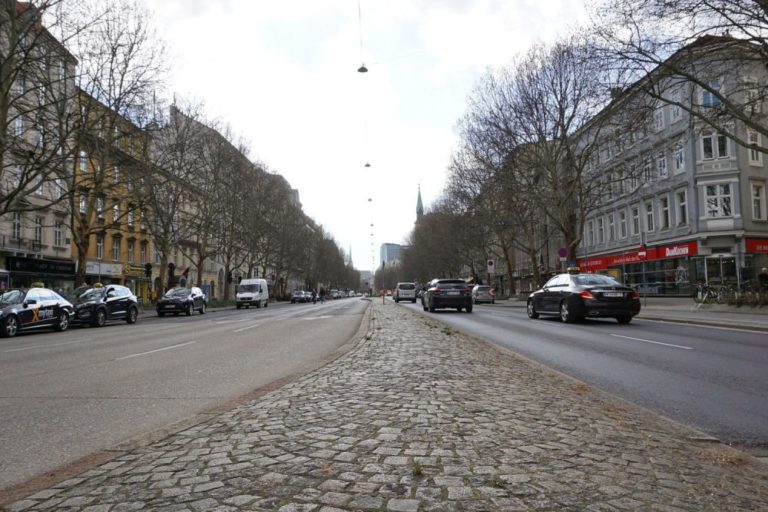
(678, 250)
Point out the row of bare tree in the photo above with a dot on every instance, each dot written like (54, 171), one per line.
(526, 172)
(83, 132)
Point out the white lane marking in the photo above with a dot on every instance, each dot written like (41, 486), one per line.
(45, 346)
(246, 328)
(231, 321)
(706, 326)
(654, 342)
(154, 351)
(315, 317)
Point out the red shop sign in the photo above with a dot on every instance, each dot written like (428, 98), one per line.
(757, 245)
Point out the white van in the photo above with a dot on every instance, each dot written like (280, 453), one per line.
(252, 292)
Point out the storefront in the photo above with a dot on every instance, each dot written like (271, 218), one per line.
(53, 274)
(104, 273)
(664, 270)
(137, 281)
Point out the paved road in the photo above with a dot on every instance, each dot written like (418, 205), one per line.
(713, 378)
(66, 395)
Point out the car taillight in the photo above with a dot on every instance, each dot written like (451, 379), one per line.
(635, 294)
(586, 295)
(437, 291)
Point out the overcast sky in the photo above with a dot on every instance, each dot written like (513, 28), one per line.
(283, 74)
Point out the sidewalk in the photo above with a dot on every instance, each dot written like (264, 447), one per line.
(418, 417)
(681, 309)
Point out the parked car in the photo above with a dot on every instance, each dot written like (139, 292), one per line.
(447, 293)
(575, 296)
(405, 291)
(35, 308)
(182, 300)
(299, 296)
(482, 293)
(95, 305)
(252, 292)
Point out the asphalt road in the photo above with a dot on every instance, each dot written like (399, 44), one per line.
(714, 379)
(66, 395)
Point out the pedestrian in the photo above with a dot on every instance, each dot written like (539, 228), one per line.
(322, 295)
(314, 296)
(762, 279)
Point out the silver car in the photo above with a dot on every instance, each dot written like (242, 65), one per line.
(482, 293)
(405, 291)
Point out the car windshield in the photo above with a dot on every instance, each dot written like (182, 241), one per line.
(483, 288)
(247, 288)
(12, 297)
(177, 292)
(407, 286)
(92, 294)
(595, 280)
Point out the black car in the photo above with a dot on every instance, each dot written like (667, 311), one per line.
(98, 304)
(182, 300)
(575, 296)
(447, 293)
(35, 308)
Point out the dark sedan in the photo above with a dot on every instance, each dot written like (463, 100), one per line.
(35, 308)
(182, 300)
(96, 305)
(447, 293)
(574, 297)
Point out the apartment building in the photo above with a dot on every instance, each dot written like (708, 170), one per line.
(684, 194)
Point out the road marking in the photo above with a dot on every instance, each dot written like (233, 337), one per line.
(154, 351)
(45, 346)
(323, 317)
(654, 342)
(682, 321)
(246, 328)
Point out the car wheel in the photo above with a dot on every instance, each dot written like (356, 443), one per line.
(202, 309)
(63, 322)
(100, 319)
(258, 305)
(176, 314)
(424, 306)
(239, 306)
(133, 315)
(531, 309)
(188, 311)
(566, 315)
(10, 327)
(160, 313)
(266, 303)
(469, 308)
(414, 301)
(431, 307)
(624, 319)
(459, 309)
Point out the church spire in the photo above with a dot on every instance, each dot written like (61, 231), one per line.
(419, 206)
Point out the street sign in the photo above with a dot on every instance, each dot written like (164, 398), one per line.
(562, 252)
(642, 253)
(491, 266)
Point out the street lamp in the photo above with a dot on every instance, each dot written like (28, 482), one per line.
(362, 68)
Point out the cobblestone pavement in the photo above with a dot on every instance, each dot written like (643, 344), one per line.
(417, 417)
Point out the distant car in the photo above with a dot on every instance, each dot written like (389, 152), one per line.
(405, 291)
(35, 308)
(98, 304)
(447, 293)
(575, 296)
(299, 296)
(182, 300)
(482, 293)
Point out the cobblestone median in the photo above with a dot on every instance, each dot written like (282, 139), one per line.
(421, 418)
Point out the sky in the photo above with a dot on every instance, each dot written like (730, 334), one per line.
(283, 75)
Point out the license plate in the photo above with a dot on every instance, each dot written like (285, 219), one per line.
(169, 306)
(613, 294)
(454, 292)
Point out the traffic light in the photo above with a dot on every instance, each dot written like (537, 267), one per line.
(148, 270)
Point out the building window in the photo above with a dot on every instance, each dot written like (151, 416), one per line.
(755, 155)
(648, 176)
(115, 249)
(634, 179)
(649, 216)
(682, 208)
(622, 224)
(143, 219)
(129, 216)
(679, 157)
(600, 231)
(131, 246)
(83, 202)
(718, 199)
(758, 202)
(100, 207)
(713, 145)
(611, 227)
(143, 253)
(57, 234)
(116, 174)
(661, 166)
(753, 98)
(58, 188)
(676, 110)
(664, 210)
(590, 233)
(16, 234)
(38, 229)
(710, 99)
(658, 119)
(99, 247)
(635, 220)
(83, 160)
(19, 126)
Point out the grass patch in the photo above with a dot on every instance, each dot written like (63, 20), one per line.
(496, 481)
(723, 456)
(417, 469)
